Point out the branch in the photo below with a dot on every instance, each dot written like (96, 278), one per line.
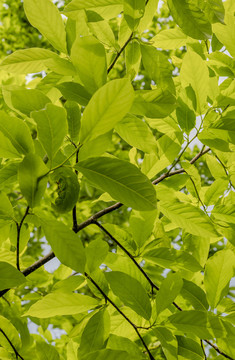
(218, 350)
(120, 312)
(75, 223)
(19, 226)
(13, 347)
(119, 53)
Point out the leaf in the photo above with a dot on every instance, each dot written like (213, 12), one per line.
(66, 245)
(12, 335)
(133, 12)
(17, 132)
(6, 209)
(194, 72)
(89, 4)
(108, 354)
(10, 276)
(96, 147)
(169, 289)
(136, 133)
(123, 343)
(189, 349)
(141, 225)
(28, 100)
(32, 179)
(73, 119)
(218, 273)
(226, 33)
(27, 61)
(172, 259)
(170, 39)
(74, 92)
(62, 304)
(89, 58)
(7, 150)
(101, 115)
(157, 103)
(215, 190)
(122, 180)
(52, 128)
(181, 214)
(8, 173)
(131, 292)
(101, 29)
(46, 351)
(190, 17)
(214, 9)
(133, 58)
(45, 16)
(96, 252)
(195, 295)
(95, 333)
(168, 342)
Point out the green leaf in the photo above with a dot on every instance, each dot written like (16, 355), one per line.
(32, 179)
(168, 342)
(10, 276)
(96, 147)
(218, 273)
(28, 100)
(123, 343)
(131, 292)
(96, 252)
(133, 12)
(226, 33)
(61, 304)
(17, 132)
(141, 225)
(172, 259)
(133, 58)
(214, 9)
(12, 335)
(157, 103)
(26, 61)
(74, 92)
(195, 295)
(136, 133)
(122, 180)
(52, 128)
(8, 173)
(95, 333)
(181, 214)
(189, 349)
(90, 4)
(66, 245)
(6, 209)
(169, 289)
(213, 193)
(190, 17)
(170, 39)
(101, 29)
(108, 354)
(194, 72)
(45, 16)
(73, 119)
(89, 58)
(7, 150)
(107, 107)
(46, 351)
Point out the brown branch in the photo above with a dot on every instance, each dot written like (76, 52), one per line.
(19, 226)
(119, 53)
(11, 344)
(218, 350)
(121, 313)
(75, 223)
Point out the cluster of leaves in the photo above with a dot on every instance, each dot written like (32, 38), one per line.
(134, 108)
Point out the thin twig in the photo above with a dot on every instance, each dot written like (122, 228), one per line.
(75, 223)
(19, 226)
(201, 341)
(119, 53)
(121, 313)
(11, 344)
(218, 350)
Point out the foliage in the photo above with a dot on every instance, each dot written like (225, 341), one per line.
(117, 158)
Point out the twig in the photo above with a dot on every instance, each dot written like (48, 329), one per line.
(19, 226)
(201, 341)
(75, 223)
(13, 347)
(119, 53)
(218, 350)
(120, 312)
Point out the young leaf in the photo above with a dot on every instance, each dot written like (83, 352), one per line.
(107, 107)
(195, 295)
(218, 273)
(168, 342)
(169, 289)
(74, 92)
(32, 179)
(65, 243)
(12, 334)
(28, 100)
(190, 17)
(96, 147)
(52, 128)
(122, 180)
(141, 225)
(61, 304)
(10, 276)
(133, 12)
(189, 349)
(45, 16)
(131, 292)
(226, 33)
(108, 354)
(170, 39)
(89, 58)
(73, 119)
(6, 209)
(123, 343)
(133, 58)
(17, 132)
(46, 352)
(96, 252)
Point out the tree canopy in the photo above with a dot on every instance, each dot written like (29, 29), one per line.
(117, 143)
